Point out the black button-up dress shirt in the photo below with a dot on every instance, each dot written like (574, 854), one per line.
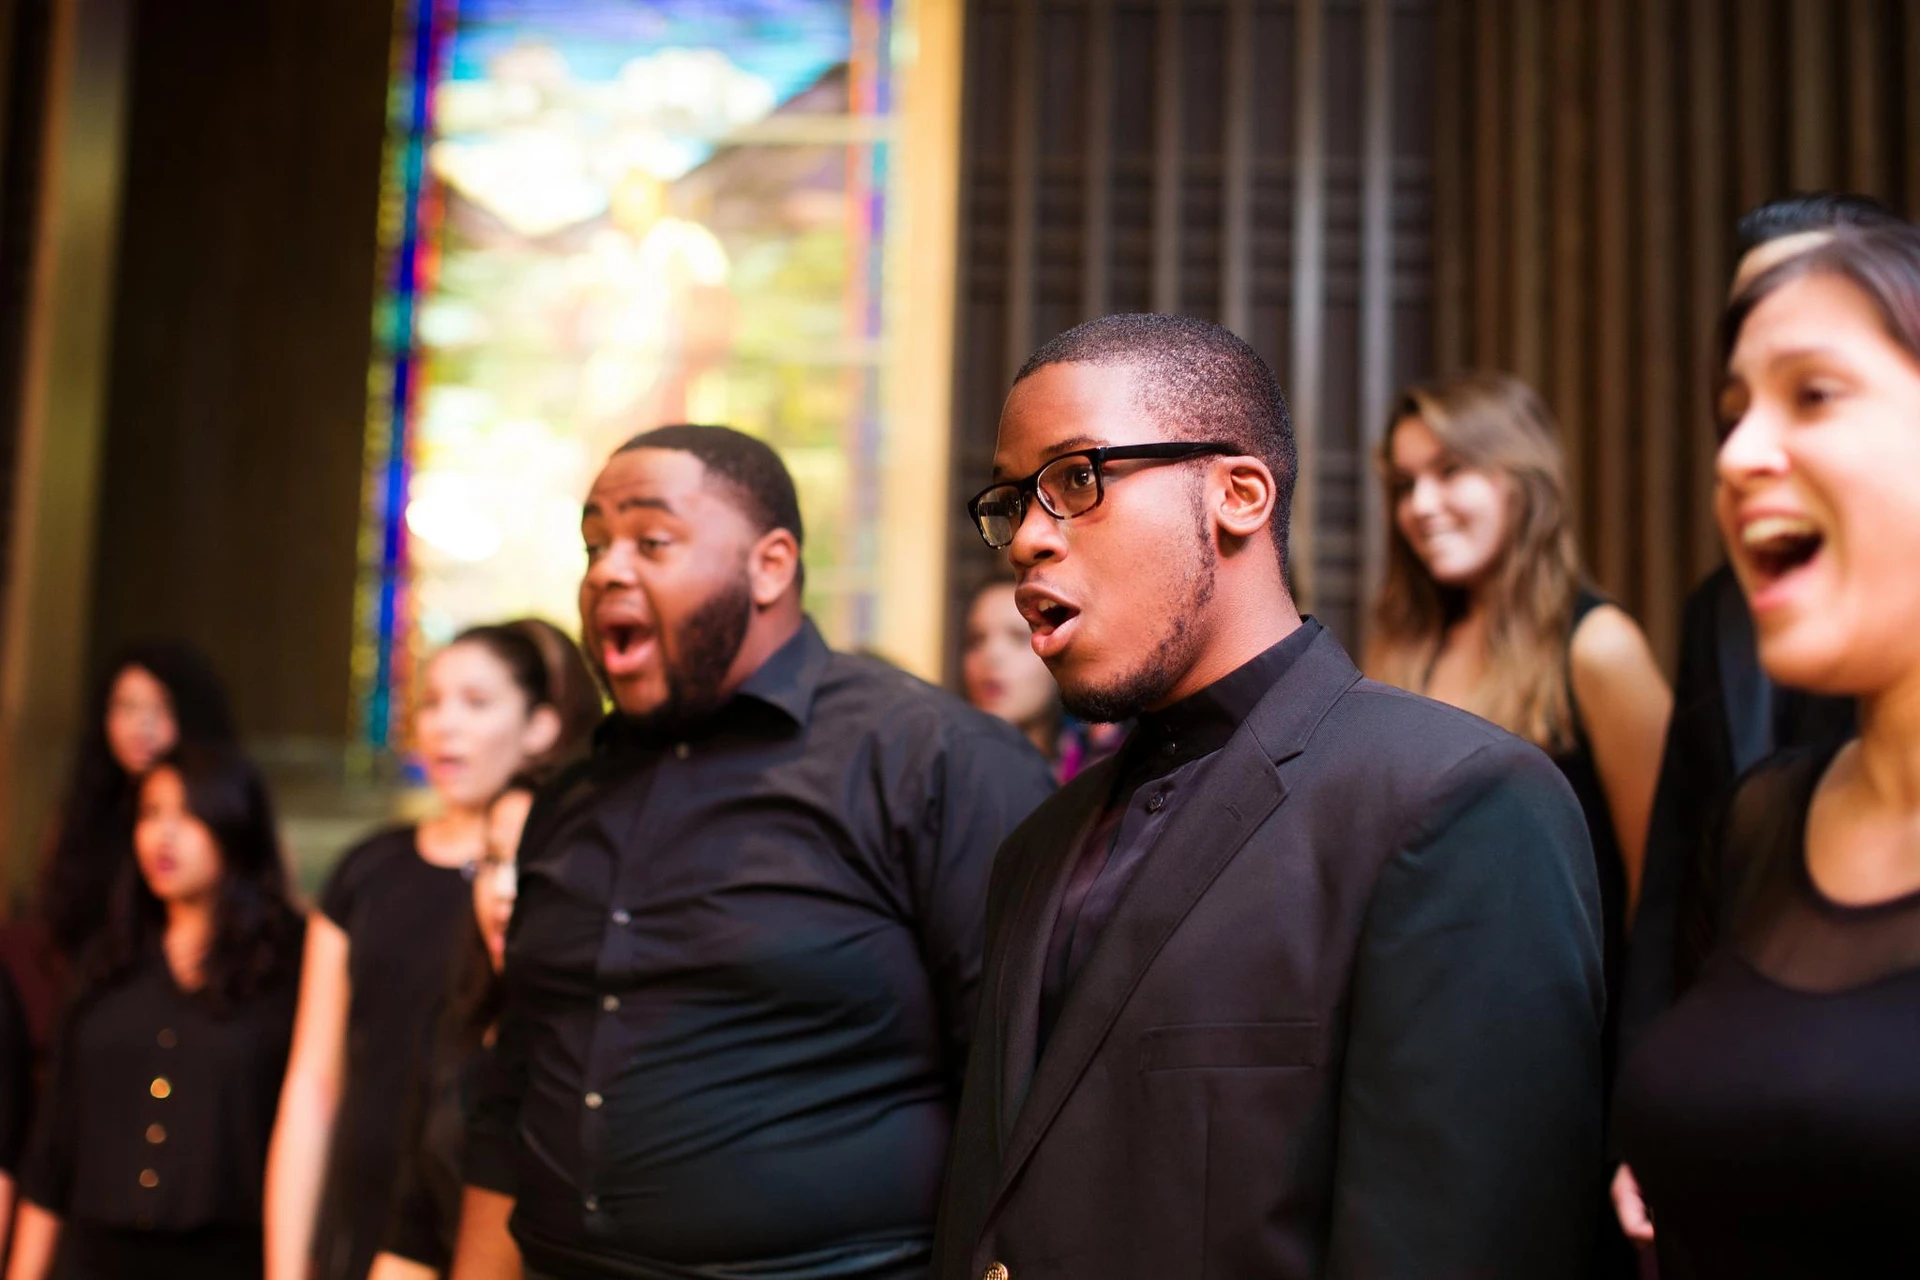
(1162, 759)
(740, 979)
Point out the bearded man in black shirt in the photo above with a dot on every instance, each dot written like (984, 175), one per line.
(741, 973)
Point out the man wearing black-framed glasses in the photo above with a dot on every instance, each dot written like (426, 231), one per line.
(1306, 980)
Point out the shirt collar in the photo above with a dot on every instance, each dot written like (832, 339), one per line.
(786, 682)
(1202, 722)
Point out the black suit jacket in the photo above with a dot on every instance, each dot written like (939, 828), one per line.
(1345, 1022)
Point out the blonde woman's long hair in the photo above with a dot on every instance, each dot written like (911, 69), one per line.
(1491, 422)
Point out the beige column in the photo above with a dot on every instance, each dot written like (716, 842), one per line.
(63, 391)
(916, 521)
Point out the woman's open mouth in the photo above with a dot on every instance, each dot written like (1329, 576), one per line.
(1776, 549)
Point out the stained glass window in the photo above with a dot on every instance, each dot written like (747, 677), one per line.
(600, 216)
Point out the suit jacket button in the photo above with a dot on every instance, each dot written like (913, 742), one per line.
(998, 1271)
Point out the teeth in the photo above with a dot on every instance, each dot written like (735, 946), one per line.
(1771, 529)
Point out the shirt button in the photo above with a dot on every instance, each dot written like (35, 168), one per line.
(156, 1134)
(610, 1003)
(621, 917)
(167, 1038)
(681, 751)
(592, 1203)
(1156, 802)
(149, 1179)
(998, 1271)
(593, 1101)
(160, 1088)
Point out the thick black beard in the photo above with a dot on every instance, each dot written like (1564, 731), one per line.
(706, 645)
(1149, 684)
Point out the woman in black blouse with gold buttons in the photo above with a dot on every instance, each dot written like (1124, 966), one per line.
(148, 1155)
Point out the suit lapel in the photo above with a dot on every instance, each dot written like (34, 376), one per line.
(1235, 797)
(1050, 858)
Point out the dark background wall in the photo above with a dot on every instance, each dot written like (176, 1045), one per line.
(1592, 159)
(230, 496)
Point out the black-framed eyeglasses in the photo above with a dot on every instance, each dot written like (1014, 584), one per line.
(1070, 485)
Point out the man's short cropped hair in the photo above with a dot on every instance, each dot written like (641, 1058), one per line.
(1199, 381)
(758, 479)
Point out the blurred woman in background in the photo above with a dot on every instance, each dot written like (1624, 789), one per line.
(425, 1220)
(149, 1150)
(151, 698)
(495, 701)
(1485, 606)
(1772, 1115)
(1002, 676)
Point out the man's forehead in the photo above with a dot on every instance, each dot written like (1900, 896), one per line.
(668, 476)
(1061, 407)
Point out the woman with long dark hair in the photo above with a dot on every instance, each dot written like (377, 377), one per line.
(149, 1149)
(425, 1219)
(1771, 1117)
(1485, 606)
(495, 701)
(151, 697)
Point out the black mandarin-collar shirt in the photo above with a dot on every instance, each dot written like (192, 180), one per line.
(740, 978)
(1163, 758)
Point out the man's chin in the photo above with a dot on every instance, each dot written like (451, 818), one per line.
(638, 697)
(1104, 701)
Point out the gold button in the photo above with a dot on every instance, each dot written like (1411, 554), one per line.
(998, 1271)
(160, 1088)
(156, 1134)
(149, 1179)
(593, 1101)
(167, 1038)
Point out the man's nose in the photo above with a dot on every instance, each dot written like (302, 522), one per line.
(614, 566)
(1037, 537)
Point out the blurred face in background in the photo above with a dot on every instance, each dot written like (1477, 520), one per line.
(178, 856)
(1455, 517)
(1816, 496)
(140, 724)
(496, 883)
(474, 727)
(1002, 674)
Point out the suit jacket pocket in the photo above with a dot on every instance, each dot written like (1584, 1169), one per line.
(1229, 1045)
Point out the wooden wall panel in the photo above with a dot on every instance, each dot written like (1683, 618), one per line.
(1662, 120)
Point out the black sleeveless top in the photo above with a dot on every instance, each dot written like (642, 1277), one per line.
(1583, 775)
(1772, 1116)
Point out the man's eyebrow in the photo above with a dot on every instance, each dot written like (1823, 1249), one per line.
(1053, 451)
(629, 504)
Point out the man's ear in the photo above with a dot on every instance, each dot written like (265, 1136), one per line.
(1243, 496)
(771, 567)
